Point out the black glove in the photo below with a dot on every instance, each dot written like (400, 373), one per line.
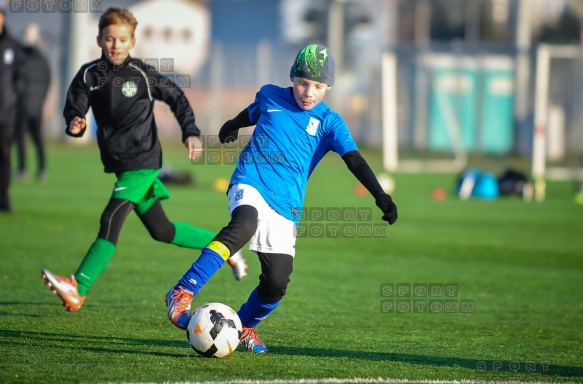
(385, 203)
(227, 133)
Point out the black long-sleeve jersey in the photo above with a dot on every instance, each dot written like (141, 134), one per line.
(122, 98)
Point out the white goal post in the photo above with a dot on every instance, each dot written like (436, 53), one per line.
(542, 117)
(390, 150)
(389, 102)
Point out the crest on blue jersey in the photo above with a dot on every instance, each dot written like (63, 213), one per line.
(313, 126)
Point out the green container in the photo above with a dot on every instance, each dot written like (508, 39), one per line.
(497, 106)
(471, 101)
(452, 103)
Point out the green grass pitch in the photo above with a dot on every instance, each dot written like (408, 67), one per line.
(516, 267)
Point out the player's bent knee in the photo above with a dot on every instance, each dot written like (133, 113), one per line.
(112, 219)
(157, 224)
(272, 291)
(276, 269)
(163, 234)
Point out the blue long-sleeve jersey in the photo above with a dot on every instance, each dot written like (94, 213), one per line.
(287, 144)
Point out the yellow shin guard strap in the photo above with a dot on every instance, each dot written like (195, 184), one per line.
(220, 248)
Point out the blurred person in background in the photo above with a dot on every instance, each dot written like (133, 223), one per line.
(36, 78)
(10, 74)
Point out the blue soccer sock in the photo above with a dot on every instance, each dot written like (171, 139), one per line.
(255, 310)
(207, 264)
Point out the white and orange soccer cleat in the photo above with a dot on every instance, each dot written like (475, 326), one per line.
(65, 288)
(251, 342)
(178, 301)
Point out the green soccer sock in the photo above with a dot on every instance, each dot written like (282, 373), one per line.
(189, 236)
(93, 264)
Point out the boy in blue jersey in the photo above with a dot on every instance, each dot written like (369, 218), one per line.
(294, 129)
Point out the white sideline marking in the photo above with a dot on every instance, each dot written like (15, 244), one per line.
(356, 380)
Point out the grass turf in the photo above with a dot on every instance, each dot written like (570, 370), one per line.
(520, 264)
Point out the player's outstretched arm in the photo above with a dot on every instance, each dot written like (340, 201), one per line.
(362, 171)
(229, 132)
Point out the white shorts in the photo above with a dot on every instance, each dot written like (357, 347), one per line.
(275, 233)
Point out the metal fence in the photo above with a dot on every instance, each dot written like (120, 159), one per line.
(472, 88)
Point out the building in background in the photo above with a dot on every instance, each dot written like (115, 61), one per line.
(229, 47)
(174, 35)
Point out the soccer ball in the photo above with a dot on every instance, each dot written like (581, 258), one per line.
(214, 330)
(386, 182)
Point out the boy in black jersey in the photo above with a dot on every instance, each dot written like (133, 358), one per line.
(121, 91)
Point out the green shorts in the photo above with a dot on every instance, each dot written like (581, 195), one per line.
(141, 187)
